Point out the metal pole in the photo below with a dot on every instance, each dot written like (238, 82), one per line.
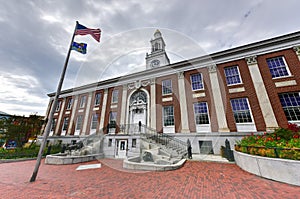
(50, 118)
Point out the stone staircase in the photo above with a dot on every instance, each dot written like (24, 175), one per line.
(168, 145)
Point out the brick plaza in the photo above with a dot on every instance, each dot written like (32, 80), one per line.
(194, 180)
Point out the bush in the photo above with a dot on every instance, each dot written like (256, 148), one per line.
(30, 152)
(282, 143)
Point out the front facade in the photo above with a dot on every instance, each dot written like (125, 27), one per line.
(252, 88)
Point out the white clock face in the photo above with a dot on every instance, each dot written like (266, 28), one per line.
(155, 63)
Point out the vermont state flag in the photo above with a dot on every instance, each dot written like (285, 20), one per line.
(79, 47)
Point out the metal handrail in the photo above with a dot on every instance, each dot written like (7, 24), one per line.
(165, 139)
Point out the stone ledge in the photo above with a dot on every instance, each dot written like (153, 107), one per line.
(130, 164)
(62, 158)
(282, 170)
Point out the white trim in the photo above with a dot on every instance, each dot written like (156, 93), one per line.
(201, 89)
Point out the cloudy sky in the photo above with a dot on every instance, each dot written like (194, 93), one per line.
(35, 35)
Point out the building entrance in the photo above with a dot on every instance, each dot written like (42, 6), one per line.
(121, 148)
(138, 108)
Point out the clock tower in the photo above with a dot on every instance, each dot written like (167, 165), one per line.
(158, 56)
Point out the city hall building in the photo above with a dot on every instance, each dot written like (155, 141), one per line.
(207, 99)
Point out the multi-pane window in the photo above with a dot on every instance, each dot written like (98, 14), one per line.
(112, 119)
(201, 113)
(115, 96)
(168, 115)
(69, 104)
(197, 81)
(82, 101)
(66, 123)
(79, 122)
(97, 99)
(241, 110)
(166, 87)
(58, 106)
(53, 124)
(94, 121)
(232, 75)
(291, 105)
(278, 67)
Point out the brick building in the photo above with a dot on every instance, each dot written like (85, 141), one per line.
(251, 88)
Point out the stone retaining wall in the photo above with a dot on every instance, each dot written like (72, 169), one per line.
(282, 170)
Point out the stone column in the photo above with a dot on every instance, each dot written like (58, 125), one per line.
(261, 93)
(123, 105)
(102, 117)
(183, 105)
(217, 99)
(74, 109)
(153, 104)
(86, 131)
(297, 51)
(61, 112)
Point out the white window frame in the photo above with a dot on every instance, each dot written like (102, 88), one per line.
(69, 103)
(93, 121)
(163, 86)
(291, 121)
(240, 77)
(197, 82)
(64, 124)
(82, 101)
(77, 123)
(57, 108)
(115, 96)
(286, 67)
(168, 115)
(97, 101)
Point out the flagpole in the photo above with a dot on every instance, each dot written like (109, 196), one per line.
(50, 118)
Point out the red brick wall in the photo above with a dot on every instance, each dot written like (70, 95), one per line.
(208, 98)
(294, 66)
(249, 93)
(174, 102)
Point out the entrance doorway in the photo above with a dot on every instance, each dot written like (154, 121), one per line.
(138, 109)
(121, 151)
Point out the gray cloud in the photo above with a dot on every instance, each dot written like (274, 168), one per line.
(35, 36)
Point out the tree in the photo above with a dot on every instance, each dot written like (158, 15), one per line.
(21, 128)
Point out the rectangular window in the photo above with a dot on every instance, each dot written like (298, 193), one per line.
(197, 81)
(79, 122)
(290, 103)
(82, 101)
(94, 121)
(70, 103)
(115, 96)
(201, 113)
(66, 123)
(167, 87)
(53, 124)
(168, 115)
(241, 110)
(133, 143)
(112, 119)
(58, 106)
(278, 67)
(97, 99)
(232, 75)
(109, 142)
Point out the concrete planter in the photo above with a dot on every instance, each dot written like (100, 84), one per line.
(282, 170)
(62, 158)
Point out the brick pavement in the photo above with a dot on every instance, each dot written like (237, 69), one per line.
(193, 180)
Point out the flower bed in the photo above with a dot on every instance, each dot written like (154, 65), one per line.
(283, 143)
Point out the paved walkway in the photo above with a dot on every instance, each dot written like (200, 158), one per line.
(194, 180)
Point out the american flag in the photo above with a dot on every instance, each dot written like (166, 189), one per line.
(82, 30)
